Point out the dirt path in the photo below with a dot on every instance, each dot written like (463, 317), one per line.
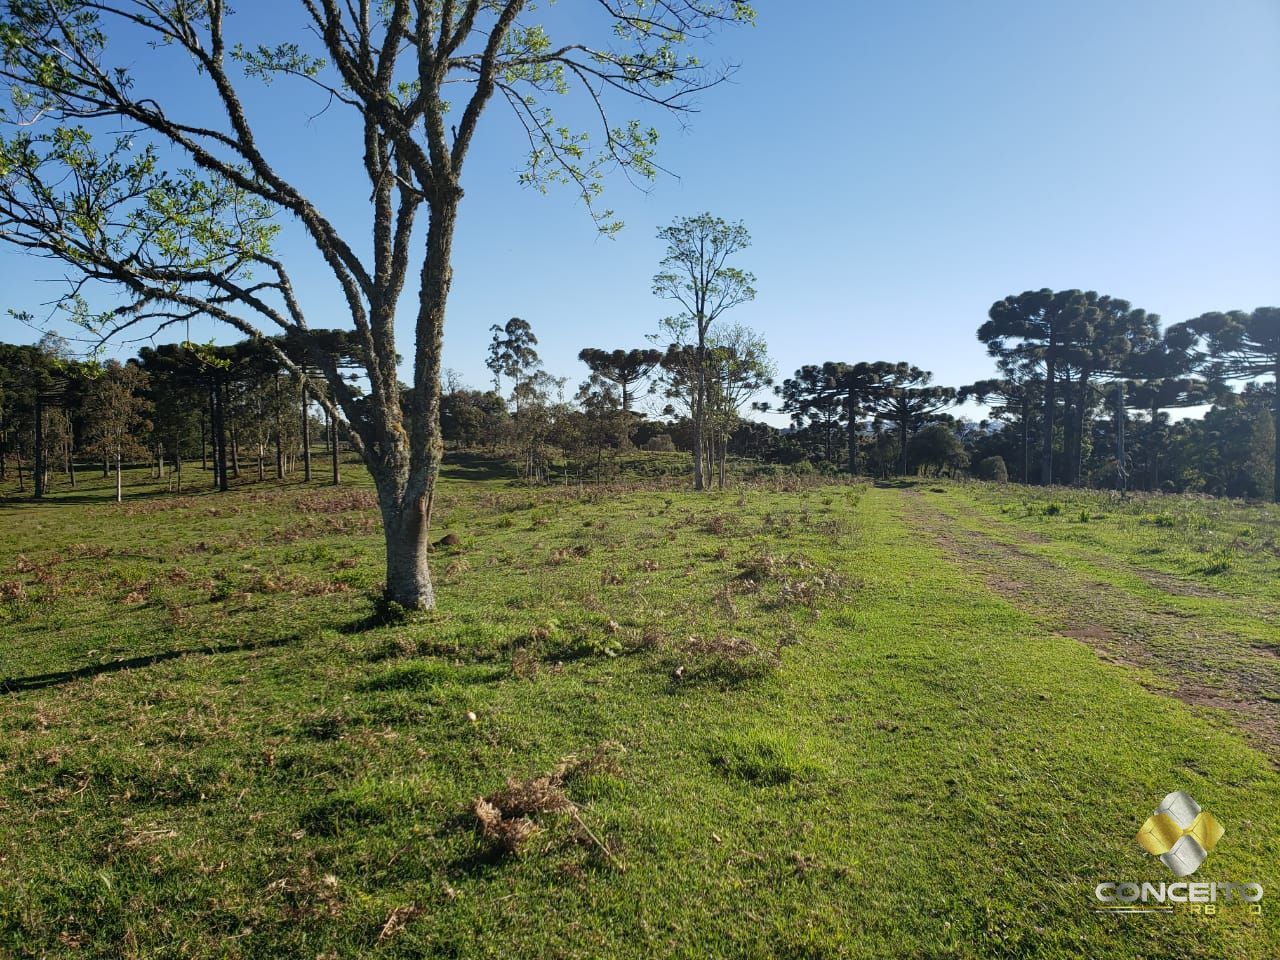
(1183, 654)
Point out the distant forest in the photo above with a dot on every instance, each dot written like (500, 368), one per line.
(1084, 392)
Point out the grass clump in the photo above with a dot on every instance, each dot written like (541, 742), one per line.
(724, 659)
(761, 758)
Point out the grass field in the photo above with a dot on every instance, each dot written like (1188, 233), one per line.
(788, 720)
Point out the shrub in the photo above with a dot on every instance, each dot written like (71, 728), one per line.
(993, 469)
(662, 443)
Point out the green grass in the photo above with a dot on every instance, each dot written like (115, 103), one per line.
(840, 739)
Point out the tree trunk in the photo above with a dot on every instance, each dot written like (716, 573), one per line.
(1068, 428)
(698, 482)
(306, 438)
(406, 473)
(219, 442)
(1026, 438)
(1122, 474)
(38, 474)
(235, 449)
(279, 427)
(177, 467)
(408, 542)
(204, 460)
(333, 447)
(1077, 469)
(1275, 422)
(262, 459)
(71, 466)
(119, 483)
(853, 435)
(1050, 402)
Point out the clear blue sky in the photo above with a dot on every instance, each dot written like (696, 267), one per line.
(900, 164)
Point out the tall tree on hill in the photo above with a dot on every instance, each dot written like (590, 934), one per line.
(1154, 396)
(697, 275)
(858, 385)
(1162, 379)
(512, 355)
(1241, 346)
(1035, 329)
(88, 138)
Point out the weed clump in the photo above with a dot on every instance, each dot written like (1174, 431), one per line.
(731, 660)
(1220, 561)
(506, 818)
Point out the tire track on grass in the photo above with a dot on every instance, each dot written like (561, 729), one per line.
(1184, 655)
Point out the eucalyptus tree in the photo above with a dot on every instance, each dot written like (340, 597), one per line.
(1241, 346)
(164, 186)
(512, 354)
(738, 367)
(697, 275)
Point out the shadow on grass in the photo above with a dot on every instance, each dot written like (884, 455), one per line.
(40, 681)
(899, 484)
(466, 466)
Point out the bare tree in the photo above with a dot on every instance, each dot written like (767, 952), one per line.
(82, 177)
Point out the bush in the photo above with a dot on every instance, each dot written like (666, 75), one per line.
(993, 469)
(662, 443)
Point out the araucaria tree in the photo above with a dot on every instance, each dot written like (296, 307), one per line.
(696, 274)
(83, 173)
(623, 368)
(1241, 346)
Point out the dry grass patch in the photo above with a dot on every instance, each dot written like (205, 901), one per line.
(507, 817)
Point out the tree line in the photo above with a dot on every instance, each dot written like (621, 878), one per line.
(235, 408)
(1083, 396)
(1083, 392)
